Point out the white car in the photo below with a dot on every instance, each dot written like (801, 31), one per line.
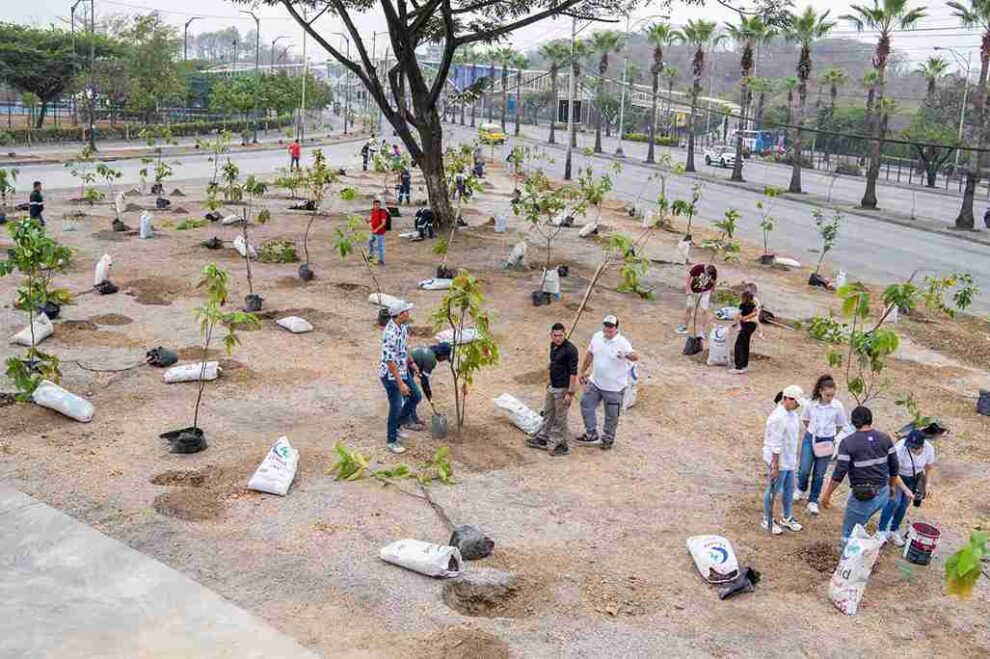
(722, 156)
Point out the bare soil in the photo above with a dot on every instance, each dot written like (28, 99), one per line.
(596, 539)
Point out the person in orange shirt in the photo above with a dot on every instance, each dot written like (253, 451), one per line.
(294, 152)
(378, 221)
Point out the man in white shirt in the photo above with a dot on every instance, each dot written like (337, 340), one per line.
(608, 357)
(780, 452)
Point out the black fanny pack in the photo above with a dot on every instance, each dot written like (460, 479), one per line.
(865, 492)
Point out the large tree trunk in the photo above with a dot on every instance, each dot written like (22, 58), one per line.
(505, 94)
(598, 130)
(869, 200)
(965, 219)
(759, 110)
(738, 164)
(556, 105)
(796, 163)
(695, 91)
(431, 164)
(41, 113)
(652, 132)
(518, 97)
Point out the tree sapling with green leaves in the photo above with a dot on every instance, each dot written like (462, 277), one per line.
(688, 209)
(38, 257)
(352, 235)
(158, 138)
(828, 231)
(767, 221)
(542, 205)
(218, 147)
(458, 171)
(964, 567)
(8, 177)
(210, 316)
(255, 188)
(319, 180)
(84, 168)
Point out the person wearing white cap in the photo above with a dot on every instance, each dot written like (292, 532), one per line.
(608, 357)
(780, 452)
(394, 374)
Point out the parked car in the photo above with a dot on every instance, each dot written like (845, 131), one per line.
(722, 156)
(491, 134)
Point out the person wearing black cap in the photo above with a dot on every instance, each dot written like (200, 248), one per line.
(916, 457)
(868, 456)
(608, 357)
(422, 361)
(552, 435)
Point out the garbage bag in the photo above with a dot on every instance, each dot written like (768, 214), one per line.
(632, 386)
(588, 229)
(102, 273)
(848, 583)
(472, 543)
(145, 229)
(551, 282)
(294, 324)
(519, 413)
(517, 255)
(692, 346)
(468, 335)
(382, 300)
(423, 557)
(244, 249)
(43, 328)
(714, 558)
(50, 395)
(744, 583)
(192, 372)
(277, 470)
(435, 284)
(983, 404)
(161, 357)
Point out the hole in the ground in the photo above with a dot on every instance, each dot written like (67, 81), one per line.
(189, 504)
(112, 319)
(539, 376)
(78, 325)
(822, 557)
(184, 478)
(489, 598)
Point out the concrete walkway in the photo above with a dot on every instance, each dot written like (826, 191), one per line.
(67, 590)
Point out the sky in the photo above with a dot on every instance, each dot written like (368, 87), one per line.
(939, 28)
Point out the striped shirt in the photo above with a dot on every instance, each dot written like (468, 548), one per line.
(868, 457)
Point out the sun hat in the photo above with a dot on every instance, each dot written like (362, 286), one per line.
(795, 392)
(398, 307)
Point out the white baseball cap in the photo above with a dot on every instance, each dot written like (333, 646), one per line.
(611, 320)
(397, 308)
(795, 392)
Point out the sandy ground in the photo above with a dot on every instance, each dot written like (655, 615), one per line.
(596, 539)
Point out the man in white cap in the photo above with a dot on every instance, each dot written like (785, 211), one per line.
(394, 374)
(780, 452)
(608, 357)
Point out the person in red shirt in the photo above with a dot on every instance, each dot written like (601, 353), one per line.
(378, 221)
(294, 152)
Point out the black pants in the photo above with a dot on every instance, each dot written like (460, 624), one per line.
(742, 345)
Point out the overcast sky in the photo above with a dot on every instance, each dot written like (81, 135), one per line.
(940, 28)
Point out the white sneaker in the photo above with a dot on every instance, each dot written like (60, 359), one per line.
(812, 507)
(396, 447)
(682, 330)
(895, 538)
(800, 494)
(791, 524)
(776, 528)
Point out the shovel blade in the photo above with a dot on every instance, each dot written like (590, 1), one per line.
(438, 429)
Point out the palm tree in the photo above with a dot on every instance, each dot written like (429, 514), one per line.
(520, 62)
(701, 35)
(490, 57)
(749, 32)
(670, 75)
(760, 87)
(660, 35)
(933, 69)
(504, 56)
(883, 16)
(462, 57)
(581, 50)
(789, 84)
(834, 78)
(804, 29)
(602, 44)
(557, 52)
(977, 14)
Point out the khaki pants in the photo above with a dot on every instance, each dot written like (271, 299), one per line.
(554, 428)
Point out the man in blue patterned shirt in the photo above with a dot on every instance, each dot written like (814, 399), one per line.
(394, 374)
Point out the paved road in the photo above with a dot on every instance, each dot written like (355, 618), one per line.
(867, 249)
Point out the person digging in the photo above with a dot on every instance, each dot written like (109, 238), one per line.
(698, 287)
(552, 435)
(395, 376)
(607, 356)
(422, 361)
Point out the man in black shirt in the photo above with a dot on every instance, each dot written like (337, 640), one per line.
(553, 433)
(868, 456)
(36, 203)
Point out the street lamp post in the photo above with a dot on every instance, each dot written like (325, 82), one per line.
(185, 37)
(347, 79)
(75, 64)
(92, 79)
(625, 64)
(570, 102)
(257, 62)
(275, 41)
(962, 112)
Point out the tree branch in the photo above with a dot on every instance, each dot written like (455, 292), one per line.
(490, 35)
(450, 47)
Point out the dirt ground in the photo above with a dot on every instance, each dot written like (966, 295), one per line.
(596, 539)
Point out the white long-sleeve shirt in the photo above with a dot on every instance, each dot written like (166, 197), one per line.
(824, 419)
(781, 438)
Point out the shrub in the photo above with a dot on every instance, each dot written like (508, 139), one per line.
(279, 250)
(660, 140)
(848, 168)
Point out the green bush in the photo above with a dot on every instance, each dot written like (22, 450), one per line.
(279, 250)
(660, 140)
(848, 168)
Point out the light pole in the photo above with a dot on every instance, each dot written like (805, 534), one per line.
(92, 79)
(185, 37)
(570, 101)
(347, 79)
(257, 71)
(625, 64)
(962, 112)
(75, 64)
(275, 41)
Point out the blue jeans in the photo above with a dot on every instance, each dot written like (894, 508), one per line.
(893, 513)
(860, 512)
(812, 466)
(408, 414)
(381, 247)
(399, 411)
(785, 488)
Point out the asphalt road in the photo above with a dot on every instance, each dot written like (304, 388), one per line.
(866, 249)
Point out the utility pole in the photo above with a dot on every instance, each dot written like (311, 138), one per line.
(962, 114)
(570, 101)
(274, 41)
(622, 102)
(75, 62)
(185, 38)
(92, 78)
(347, 79)
(257, 70)
(302, 102)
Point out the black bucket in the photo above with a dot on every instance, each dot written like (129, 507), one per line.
(444, 272)
(252, 302)
(383, 317)
(305, 272)
(51, 310)
(983, 404)
(186, 440)
(692, 346)
(540, 298)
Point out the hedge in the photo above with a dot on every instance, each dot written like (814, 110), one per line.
(51, 134)
(660, 140)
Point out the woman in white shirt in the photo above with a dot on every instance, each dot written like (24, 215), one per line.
(916, 460)
(823, 418)
(780, 453)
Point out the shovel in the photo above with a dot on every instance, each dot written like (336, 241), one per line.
(438, 424)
